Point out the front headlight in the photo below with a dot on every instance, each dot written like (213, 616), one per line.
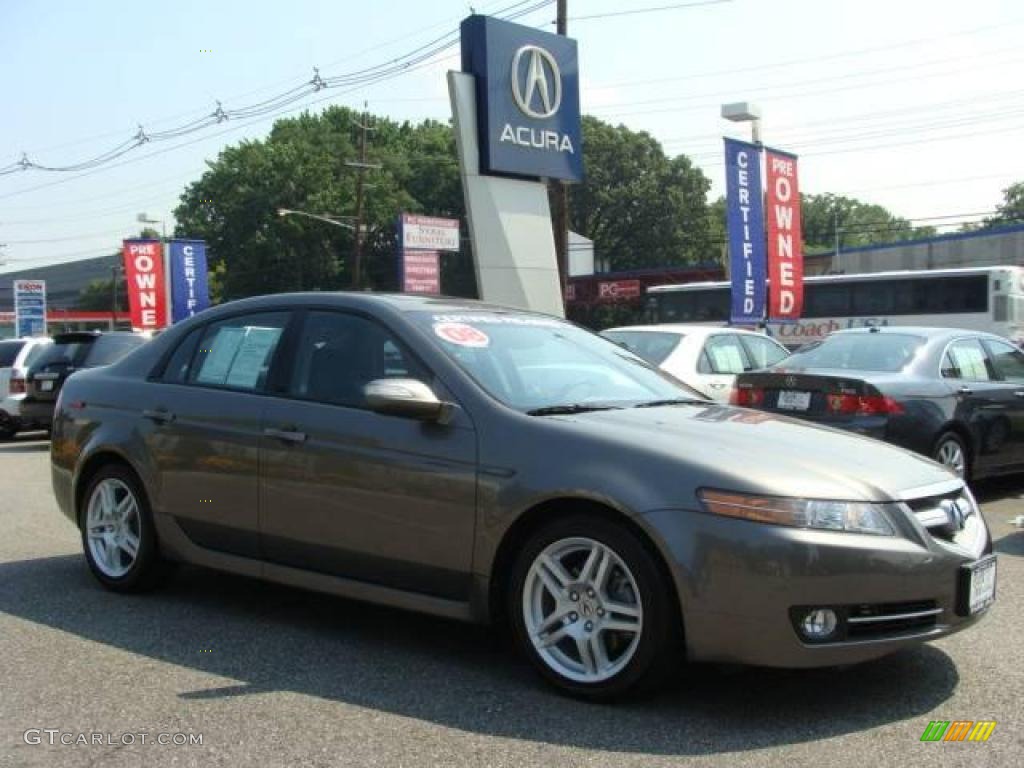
(850, 516)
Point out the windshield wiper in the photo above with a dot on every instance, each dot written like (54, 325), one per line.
(553, 410)
(673, 401)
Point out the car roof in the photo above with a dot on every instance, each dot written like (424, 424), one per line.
(918, 330)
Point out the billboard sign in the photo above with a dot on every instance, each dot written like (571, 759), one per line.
(421, 272)
(618, 290)
(190, 292)
(29, 307)
(147, 288)
(528, 99)
(429, 232)
(785, 240)
(744, 205)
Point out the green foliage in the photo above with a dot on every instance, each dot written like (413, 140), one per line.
(640, 207)
(97, 295)
(1010, 211)
(859, 223)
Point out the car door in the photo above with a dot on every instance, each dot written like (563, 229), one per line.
(352, 493)
(719, 361)
(201, 424)
(981, 402)
(1008, 362)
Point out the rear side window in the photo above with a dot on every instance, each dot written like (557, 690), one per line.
(34, 354)
(723, 354)
(652, 346)
(1008, 361)
(237, 352)
(109, 349)
(176, 370)
(9, 351)
(966, 359)
(763, 352)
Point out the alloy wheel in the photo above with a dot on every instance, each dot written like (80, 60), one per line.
(582, 609)
(112, 524)
(951, 454)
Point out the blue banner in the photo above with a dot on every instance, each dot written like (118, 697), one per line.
(189, 290)
(744, 204)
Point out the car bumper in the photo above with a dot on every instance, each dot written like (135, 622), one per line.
(742, 586)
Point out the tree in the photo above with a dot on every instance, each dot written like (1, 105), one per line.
(96, 296)
(859, 223)
(1010, 211)
(639, 206)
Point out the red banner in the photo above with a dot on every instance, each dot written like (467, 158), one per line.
(785, 240)
(147, 288)
(421, 272)
(618, 290)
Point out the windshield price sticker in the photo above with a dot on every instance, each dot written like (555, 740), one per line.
(461, 334)
(498, 320)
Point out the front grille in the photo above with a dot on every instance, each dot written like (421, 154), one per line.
(934, 515)
(889, 619)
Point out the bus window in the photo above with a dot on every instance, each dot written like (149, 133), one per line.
(828, 300)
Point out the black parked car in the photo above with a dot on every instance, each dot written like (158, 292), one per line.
(69, 353)
(954, 395)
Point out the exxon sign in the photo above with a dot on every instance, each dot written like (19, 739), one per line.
(528, 99)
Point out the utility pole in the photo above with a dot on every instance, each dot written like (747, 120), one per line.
(835, 233)
(560, 189)
(115, 270)
(361, 167)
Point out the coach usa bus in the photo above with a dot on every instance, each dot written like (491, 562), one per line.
(979, 298)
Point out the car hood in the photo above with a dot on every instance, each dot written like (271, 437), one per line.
(742, 449)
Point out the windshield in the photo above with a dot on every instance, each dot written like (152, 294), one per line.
(532, 362)
(63, 353)
(652, 346)
(858, 352)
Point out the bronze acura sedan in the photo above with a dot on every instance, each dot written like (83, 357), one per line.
(489, 464)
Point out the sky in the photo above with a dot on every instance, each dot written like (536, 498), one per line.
(911, 104)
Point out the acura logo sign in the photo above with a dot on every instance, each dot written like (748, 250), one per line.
(538, 84)
(957, 511)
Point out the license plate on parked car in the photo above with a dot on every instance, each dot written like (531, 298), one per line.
(978, 585)
(45, 386)
(794, 401)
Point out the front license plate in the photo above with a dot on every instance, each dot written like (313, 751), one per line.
(45, 386)
(794, 401)
(978, 585)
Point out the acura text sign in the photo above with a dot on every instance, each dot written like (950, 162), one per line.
(528, 99)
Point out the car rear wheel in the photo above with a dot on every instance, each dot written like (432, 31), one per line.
(8, 426)
(117, 532)
(951, 451)
(590, 609)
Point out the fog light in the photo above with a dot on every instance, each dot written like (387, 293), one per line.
(819, 624)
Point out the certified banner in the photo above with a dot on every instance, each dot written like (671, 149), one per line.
(190, 292)
(785, 239)
(745, 223)
(147, 289)
(29, 308)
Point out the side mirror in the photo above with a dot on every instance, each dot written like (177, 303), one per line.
(410, 398)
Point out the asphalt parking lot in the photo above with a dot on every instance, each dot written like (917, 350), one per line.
(272, 676)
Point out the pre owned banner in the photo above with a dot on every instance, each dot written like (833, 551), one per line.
(745, 222)
(147, 290)
(189, 290)
(785, 251)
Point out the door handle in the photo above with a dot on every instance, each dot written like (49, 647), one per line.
(288, 435)
(965, 390)
(1019, 393)
(159, 415)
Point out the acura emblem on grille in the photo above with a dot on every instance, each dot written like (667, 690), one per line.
(957, 511)
(791, 381)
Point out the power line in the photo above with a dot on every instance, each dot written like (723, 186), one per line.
(653, 9)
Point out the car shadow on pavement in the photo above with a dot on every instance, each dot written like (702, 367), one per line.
(998, 488)
(270, 638)
(25, 442)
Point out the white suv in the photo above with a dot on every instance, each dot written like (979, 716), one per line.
(15, 357)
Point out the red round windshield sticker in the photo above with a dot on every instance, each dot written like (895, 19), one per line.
(462, 334)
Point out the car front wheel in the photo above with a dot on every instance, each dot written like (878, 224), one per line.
(951, 451)
(117, 532)
(590, 608)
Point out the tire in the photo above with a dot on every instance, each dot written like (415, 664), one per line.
(109, 535)
(627, 589)
(947, 448)
(8, 426)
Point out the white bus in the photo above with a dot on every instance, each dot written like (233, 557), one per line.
(978, 298)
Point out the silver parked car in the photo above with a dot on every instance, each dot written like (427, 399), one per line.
(16, 355)
(483, 464)
(706, 357)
